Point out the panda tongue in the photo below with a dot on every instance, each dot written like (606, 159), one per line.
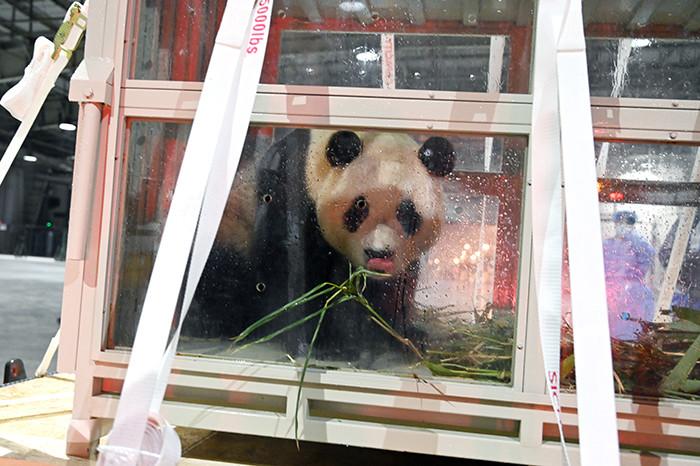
(381, 265)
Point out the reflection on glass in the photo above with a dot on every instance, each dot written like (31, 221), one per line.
(649, 196)
(307, 204)
(651, 68)
(173, 39)
(447, 45)
(645, 162)
(154, 152)
(643, 49)
(451, 63)
(331, 59)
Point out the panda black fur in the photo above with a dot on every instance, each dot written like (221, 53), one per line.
(323, 198)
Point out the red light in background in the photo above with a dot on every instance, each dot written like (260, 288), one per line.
(616, 196)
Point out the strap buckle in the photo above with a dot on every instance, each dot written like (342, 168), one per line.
(76, 19)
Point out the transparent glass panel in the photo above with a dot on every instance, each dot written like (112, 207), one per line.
(173, 39)
(646, 162)
(643, 49)
(438, 216)
(155, 151)
(652, 68)
(323, 59)
(447, 45)
(449, 63)
(649, 197)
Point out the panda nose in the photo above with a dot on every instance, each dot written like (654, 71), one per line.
(378, 254)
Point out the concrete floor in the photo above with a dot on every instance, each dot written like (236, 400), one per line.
(30, 305)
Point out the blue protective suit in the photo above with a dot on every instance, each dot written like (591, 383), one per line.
(628, 259)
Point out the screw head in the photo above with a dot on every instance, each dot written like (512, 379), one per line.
(673, 135)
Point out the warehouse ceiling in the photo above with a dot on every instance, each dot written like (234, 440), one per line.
(21, 22)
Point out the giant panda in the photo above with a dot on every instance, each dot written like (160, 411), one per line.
(325, 199)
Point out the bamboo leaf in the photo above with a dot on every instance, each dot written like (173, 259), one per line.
(306, 366)
(305, 298)
(282, 330)
(567, 366)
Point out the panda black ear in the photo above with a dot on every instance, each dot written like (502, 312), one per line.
(438, 156)
(343, 147)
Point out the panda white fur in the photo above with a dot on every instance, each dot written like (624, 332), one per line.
(323, 198)
(376, 196)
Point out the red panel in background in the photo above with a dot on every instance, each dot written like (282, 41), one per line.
(399, 27)
(650, 31)
(167, 36)
(519, 66)
(195, 44)
(181, 42)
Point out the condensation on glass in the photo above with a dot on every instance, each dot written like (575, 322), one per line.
(154, 152)
(649, 198)
(643, 49)
(447, 233)
(450, 45)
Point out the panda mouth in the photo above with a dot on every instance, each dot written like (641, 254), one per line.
(380, 261)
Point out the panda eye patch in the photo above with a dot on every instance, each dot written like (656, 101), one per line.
(356, 214)
(343, 147)
(438, 156)
(408, 217)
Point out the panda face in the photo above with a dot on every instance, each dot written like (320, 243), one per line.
(377, 195)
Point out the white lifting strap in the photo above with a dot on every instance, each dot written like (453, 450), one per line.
(595, 393)
(562, 136)
(547, 215)
(140, 436)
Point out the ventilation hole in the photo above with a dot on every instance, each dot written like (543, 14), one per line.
(267, 198)
(281, 14)
(260, 287)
